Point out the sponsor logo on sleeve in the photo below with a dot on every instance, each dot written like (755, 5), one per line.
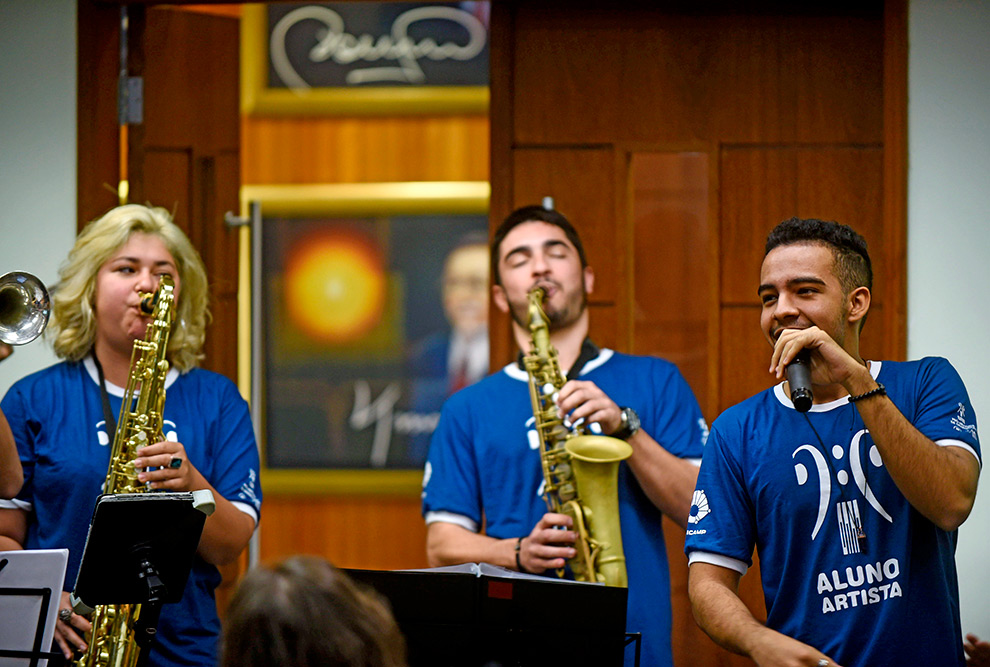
(959, 423)
(699, 510)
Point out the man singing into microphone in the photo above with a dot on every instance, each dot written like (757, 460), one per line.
(853, 505)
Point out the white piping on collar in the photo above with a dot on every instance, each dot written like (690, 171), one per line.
(115, 390)
(785, 400)
(516, 373)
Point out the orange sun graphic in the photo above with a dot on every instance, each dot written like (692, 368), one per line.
(335, 286)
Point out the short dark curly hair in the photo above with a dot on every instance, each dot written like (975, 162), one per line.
(853, 267)
(533, 214)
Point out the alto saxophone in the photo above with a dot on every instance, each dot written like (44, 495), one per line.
(580, 471)
(111, 641)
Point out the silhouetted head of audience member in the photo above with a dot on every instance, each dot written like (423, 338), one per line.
(305, 612)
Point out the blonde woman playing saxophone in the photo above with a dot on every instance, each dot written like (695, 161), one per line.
(60, 418)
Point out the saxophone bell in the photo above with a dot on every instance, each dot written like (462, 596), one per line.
(595, 461)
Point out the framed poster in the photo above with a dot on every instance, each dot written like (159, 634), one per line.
(364, 292)
(365, 58)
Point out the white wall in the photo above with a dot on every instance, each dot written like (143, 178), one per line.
(37, 150)
(949, 231)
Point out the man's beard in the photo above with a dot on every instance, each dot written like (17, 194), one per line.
(556, 318)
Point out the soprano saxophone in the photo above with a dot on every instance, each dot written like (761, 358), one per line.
(580, 471)
(111, 642)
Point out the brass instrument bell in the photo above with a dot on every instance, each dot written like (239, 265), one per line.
(24, 308)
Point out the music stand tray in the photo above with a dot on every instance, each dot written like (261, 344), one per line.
(30, 589)
(140, 548)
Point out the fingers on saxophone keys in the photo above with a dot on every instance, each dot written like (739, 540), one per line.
(557, 555)
(70, 639)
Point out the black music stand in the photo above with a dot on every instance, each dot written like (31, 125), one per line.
(139, 550)
(30, 586)
(478, 614)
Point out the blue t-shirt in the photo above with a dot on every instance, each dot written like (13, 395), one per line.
(799, 487)
(484, 466)
(57, 419)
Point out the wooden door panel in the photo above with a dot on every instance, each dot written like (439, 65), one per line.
(845, 185)
(833, 64)
(744, 354)
(652, 72)
(672, 262)
(605, 329)
(164, 178)
(97, 131)
(187, 57)
(757, 192)
(762, 186)
(580, 182)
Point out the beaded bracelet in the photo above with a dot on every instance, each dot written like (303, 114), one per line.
(879, 390)
(519, 565)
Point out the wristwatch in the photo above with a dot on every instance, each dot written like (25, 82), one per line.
(630, 424)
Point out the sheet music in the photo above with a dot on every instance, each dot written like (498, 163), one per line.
(20, 613)
(489, 570)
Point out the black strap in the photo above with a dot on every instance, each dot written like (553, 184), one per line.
(588, 352)
(107, 411)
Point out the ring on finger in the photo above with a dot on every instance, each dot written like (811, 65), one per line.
(64, 615)
(175, 463)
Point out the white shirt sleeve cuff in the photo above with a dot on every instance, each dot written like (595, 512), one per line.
(962, 445)
(247, 509)
(15, 504)
(449, 517)
(717, 559)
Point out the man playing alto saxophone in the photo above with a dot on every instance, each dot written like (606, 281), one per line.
(483, 464)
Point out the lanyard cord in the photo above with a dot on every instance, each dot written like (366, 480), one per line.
(828, 456)
(107, 411)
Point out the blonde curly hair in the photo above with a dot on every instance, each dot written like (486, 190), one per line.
(72, 329)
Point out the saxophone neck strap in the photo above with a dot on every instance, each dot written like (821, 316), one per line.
(105, 396)
(588, 352)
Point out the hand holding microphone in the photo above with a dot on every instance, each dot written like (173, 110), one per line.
(799, 380)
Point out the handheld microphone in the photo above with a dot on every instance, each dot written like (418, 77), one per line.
(799, 378)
